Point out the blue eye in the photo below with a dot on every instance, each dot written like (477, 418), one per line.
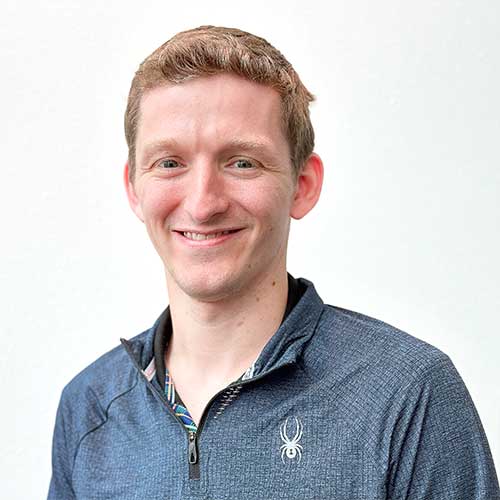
(167, 164)
(243, 164)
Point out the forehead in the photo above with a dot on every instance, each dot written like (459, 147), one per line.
(208, 111)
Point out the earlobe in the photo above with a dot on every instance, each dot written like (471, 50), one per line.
(309, 183)
(133, 199)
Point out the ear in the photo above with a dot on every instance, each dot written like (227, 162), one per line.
(308, 187)
(133, 199)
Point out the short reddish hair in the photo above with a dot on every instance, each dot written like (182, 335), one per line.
(210, 50)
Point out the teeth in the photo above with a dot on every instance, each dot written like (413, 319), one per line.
(201, 237)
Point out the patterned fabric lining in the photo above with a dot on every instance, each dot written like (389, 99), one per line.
(178, 406)
(174, 399)
(180, 410)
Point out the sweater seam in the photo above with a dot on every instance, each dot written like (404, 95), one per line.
(95, 428)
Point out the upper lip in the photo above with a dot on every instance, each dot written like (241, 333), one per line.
(211, 231)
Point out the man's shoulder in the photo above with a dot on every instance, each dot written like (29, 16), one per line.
(105, 379)
(355, 339)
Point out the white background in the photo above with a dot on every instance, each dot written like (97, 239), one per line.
(407, 230)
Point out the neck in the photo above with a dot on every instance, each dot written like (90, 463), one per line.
(220, 340)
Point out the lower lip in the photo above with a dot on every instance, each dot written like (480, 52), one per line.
(212, 242)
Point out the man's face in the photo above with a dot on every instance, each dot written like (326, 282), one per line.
(214, 183)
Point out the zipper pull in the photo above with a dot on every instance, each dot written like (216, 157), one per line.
(193, 448)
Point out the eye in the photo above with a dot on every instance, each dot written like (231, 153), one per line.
(243, 164)
(168, 164)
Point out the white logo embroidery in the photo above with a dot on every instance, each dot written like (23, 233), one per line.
(291, 448)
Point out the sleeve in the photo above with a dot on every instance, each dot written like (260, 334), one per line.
(60, 484)
(439, 450)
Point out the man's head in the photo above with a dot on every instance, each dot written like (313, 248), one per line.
(210, 50)
(212, 170)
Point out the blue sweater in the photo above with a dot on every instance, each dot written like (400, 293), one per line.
(340, 406)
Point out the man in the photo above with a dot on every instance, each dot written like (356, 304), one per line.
(248, 386)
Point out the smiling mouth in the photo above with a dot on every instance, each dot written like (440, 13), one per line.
(206, 236)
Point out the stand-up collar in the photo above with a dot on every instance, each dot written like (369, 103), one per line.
(287, 344)
(284, 346)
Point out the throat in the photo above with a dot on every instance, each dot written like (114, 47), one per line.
(211, 346)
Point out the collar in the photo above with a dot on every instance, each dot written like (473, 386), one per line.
(284, 347)
(164, 330)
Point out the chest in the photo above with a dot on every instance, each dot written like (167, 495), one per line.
(265, 444)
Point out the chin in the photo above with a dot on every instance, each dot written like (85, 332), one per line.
(210, 286)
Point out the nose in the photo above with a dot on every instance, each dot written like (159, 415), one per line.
(206, 196)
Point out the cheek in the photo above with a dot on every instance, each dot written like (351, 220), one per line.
(265, 200)
(270, 209)
(159, 200)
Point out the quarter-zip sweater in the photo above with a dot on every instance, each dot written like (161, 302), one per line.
(340, 406)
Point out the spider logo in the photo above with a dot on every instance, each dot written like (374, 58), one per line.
(291, 448)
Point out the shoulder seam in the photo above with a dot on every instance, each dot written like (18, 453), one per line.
(93, 429)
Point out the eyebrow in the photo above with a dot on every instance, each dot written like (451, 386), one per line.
(155, 147)
(246, 145)
(165, 145)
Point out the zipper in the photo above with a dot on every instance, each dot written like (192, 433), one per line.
(193, 437)
(194, 464)
(193, 455)
(160, 397)
(193, 449)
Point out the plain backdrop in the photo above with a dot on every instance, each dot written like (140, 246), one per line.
(407, 229)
